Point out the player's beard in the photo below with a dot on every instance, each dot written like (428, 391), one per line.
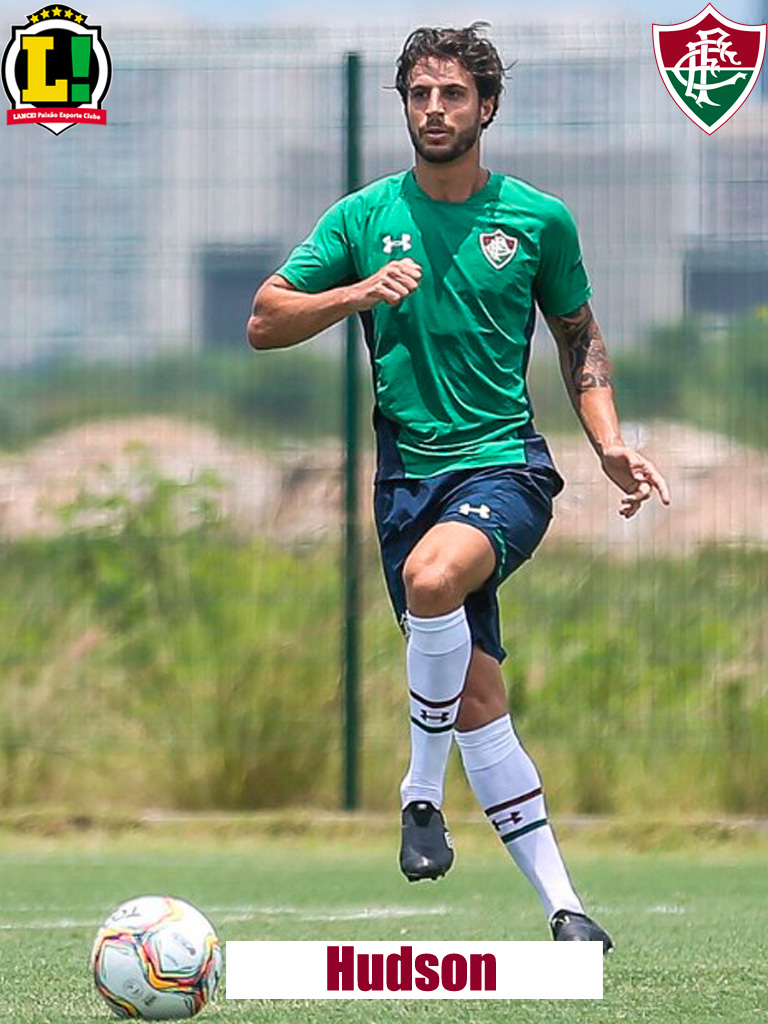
(462, 143)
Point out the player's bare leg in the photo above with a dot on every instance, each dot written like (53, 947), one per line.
(449, 562)
(508, 788)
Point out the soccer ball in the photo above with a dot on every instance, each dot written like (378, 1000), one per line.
(157, 958)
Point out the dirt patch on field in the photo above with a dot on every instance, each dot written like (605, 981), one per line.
(719, 488)
(719, 494)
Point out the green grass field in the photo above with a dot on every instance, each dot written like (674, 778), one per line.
(689, 926)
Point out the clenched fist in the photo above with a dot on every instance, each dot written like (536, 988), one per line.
(393, 283)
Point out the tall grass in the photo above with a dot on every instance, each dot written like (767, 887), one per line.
(275, 399)
(165, 665)
(712, 377)
(151, 659)
(715, 379)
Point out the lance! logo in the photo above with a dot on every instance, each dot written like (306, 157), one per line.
(709, 65)
(56, 71)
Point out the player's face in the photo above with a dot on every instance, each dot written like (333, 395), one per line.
(444, 111)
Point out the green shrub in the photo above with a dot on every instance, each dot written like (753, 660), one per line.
(149, 658)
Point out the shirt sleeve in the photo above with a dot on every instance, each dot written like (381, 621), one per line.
(324, 259)
(561, 283)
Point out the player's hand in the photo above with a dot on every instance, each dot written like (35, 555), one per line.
(636, 476)
(393, 283)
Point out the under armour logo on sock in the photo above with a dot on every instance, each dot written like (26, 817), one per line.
(482, 510)
(438, 716)
(511, 819)
(390, 243)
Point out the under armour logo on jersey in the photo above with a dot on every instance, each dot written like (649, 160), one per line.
(390, 243)
(498, 248)
(482, 510)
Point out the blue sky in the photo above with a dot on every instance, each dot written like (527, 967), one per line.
(412, 12)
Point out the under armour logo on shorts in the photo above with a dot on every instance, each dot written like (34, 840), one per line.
(482, 510)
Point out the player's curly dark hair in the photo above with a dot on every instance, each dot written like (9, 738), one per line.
(467, 46)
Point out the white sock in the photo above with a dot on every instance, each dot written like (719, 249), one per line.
(508, 788)
(437, 657)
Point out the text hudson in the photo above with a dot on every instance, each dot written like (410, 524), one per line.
(400, 972)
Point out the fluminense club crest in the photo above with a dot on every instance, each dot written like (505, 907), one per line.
(709, 65)
(498, 247)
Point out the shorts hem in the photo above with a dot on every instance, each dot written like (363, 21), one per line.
(497, 653)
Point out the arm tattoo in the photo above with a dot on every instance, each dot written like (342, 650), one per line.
(588, 359)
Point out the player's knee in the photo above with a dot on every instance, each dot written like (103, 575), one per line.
(430, 588)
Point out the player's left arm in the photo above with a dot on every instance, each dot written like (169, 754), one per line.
(587, 373)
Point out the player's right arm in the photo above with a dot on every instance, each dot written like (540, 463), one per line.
(284, 316)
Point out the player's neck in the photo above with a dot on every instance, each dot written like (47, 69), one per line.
(454, 182)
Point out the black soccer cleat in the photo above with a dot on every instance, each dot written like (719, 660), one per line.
(568, 926)
(425, 847)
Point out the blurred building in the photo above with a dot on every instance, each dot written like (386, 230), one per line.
(223, 146)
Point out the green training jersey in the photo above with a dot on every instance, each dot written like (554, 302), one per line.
(450, 361)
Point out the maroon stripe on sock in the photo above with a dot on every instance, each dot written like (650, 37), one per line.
(434, 703)
(514, 801)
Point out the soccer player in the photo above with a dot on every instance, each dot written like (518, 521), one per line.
(446, 263)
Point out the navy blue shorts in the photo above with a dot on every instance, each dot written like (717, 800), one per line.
(511, 505)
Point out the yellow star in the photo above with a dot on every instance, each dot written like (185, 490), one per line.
(57, 12)
(67, 14)
(78, 18)
(33, 18)
(45, 14)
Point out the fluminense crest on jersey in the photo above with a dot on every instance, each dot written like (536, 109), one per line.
(709, 65)
(498, 247)
(56, 70)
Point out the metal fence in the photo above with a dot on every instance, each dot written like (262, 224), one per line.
(223, 147)
(149, 237)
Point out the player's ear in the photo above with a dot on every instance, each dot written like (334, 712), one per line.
(486, 111)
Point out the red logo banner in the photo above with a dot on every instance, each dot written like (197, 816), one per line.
(74, 115)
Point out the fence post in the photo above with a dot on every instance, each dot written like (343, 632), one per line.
(351, 548)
